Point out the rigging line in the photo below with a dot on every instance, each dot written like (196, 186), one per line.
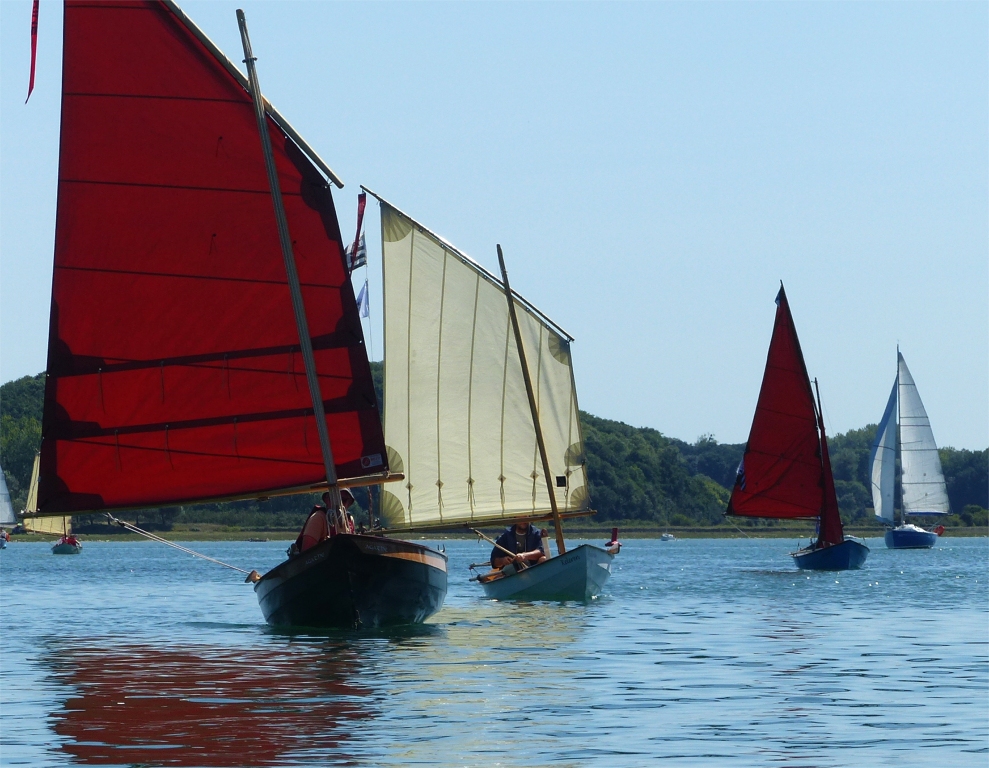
(134, 529)
(370, 329)
(738, 529)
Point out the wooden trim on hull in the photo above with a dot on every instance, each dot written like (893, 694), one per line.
(850, 555)
(353, 581)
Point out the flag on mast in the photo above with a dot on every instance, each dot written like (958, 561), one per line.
(34, 48)
(363, 305)
(360, 258)
(357, 253)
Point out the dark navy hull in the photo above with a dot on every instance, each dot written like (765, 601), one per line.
(910, 537)
(847, 556)
(353, 581)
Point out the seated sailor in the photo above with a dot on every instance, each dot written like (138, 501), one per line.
(524, 540)
(322, 524)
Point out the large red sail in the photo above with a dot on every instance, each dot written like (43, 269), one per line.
(781, 474)
(174, 367)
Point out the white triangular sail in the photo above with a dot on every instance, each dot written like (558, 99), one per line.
(924, 491)
(53, 526)
(884, 462)
(457, 418)
(6, 508)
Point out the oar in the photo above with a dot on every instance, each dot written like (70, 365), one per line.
(508, 552)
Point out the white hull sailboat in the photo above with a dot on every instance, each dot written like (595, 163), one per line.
(905, 433)
(6, 511)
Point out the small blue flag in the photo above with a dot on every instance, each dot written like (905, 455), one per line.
(363, 305)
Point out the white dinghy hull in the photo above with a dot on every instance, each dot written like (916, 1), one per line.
(579, 574)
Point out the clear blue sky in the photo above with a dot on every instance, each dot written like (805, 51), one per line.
(651, 170)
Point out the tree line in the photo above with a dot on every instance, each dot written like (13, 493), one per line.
(635, 473)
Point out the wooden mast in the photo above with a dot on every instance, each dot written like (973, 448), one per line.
(293, 276)
(557, 521)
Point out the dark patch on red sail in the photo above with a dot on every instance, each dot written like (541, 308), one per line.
(173, 359)
(782, 462)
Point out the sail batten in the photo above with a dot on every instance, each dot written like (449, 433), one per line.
(172, 337)
(456, 410)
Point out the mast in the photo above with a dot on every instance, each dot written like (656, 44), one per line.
(557, 521)
(305, 340)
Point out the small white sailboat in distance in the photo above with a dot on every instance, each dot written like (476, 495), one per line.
(6, 510)
(905, 432)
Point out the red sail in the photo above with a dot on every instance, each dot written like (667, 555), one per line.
(174, 370)
(830, 531)
(781, 473)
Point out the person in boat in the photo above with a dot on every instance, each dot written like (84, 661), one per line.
(524, 540)
(322, 524)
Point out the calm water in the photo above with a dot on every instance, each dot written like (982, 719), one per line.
(703, 652)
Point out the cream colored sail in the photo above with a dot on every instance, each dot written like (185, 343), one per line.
(53, 526)
(457, 419)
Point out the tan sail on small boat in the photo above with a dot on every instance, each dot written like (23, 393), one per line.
(458, 419)
(67, 543)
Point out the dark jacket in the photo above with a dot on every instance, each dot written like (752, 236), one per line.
(533, 540)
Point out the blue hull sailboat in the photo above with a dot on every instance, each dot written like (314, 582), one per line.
(785, 471)
(850, 555)
(905, 433)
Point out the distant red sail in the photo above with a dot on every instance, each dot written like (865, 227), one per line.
(174, 368)
(830, 531)
(781, 474)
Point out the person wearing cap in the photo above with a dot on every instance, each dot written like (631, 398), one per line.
(524, 540)
(320, 525)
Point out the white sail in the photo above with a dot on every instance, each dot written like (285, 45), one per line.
(54, 526)
(884, 462)
(924, 491)
(6, 508)
(457, 418)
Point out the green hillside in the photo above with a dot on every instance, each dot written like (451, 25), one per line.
(636, 473)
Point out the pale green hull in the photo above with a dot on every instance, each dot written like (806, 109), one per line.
(579, 574)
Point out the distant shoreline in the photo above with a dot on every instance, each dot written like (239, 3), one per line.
(601, 532)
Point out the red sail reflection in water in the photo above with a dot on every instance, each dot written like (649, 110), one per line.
(207, 706)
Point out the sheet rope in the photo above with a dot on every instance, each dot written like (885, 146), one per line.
(140, 531)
